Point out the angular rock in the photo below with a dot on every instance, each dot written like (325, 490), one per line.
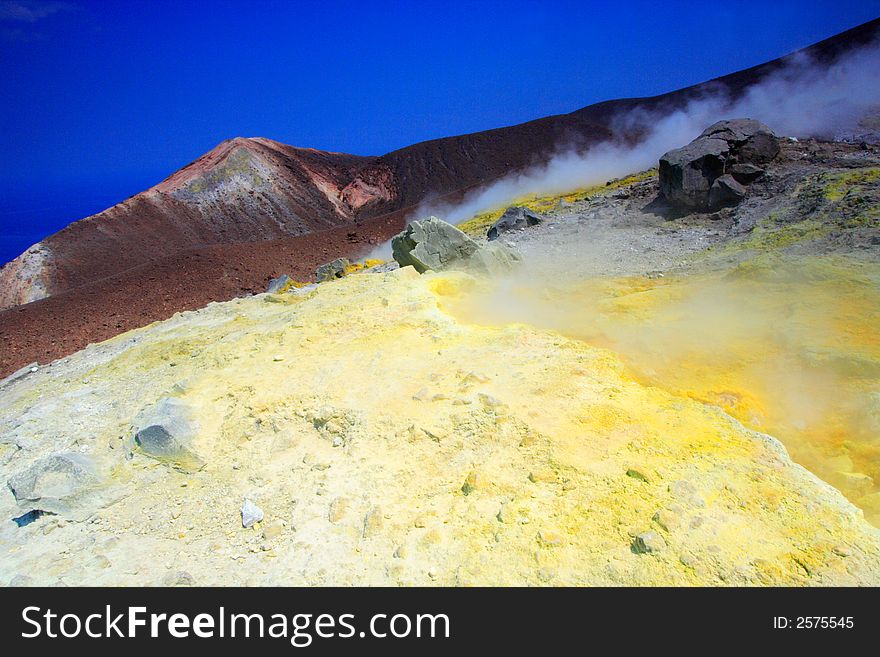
(166, 431)
(60, 484)
(433, 244)
(178, 578)
(649, 542)
(737, 131)
(373, 522)
(21, 580)
(332, 270)
(279, 284)
(733, 148)
(251, 514)
(514, 218)
(687, 173)
(746, 173)
(725, 191)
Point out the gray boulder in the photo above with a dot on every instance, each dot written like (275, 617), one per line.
(60, 483)
(433, 244)
(514, 218)
(332, 270)
(751, 140)
(687, 173)
(736, 147)
(278, 284)
(725, 191)
(165, 431)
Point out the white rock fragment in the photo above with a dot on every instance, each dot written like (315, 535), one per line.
(251, 514)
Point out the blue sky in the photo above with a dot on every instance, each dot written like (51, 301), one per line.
(99, 100)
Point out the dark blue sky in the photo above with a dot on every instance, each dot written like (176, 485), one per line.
(99, 100)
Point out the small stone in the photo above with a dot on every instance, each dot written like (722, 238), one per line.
(373, 522)
(666, 519)
(280, 284)
(21, 580)
(684, 491)
(636, 474)
(101, 561)
(842, 551)
(474, 481)
(338, 509)
(277, 358)
(273, 530)
(332, 270)
(58, 484)
(649, 542)
(688, 560)
(550, 537)
(473, 377)
(489, 401)
(166, 431)
(543, 476)
(401, 552)
(251, 514)
(178, 578)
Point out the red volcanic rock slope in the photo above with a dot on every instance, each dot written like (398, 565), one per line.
(243, 190)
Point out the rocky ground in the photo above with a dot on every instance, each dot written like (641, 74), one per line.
(389, 435)
(817, 198)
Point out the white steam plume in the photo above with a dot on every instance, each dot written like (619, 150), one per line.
(801, 99)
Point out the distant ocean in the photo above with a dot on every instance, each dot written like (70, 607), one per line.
(28, 217)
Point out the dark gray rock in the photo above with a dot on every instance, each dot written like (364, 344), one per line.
(746, 173)
(761, 148)
(750, 140)
(165, 431)
(332, 270)
(433, 244)
(735, 130)
(725, 191)
(514, 218)
(687, 173)
(734, 148)
(278, 284)
(56, 484)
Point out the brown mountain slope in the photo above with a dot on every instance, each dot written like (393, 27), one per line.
(59, 325)
(244, 190)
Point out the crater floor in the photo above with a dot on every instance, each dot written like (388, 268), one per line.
(388, 442)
